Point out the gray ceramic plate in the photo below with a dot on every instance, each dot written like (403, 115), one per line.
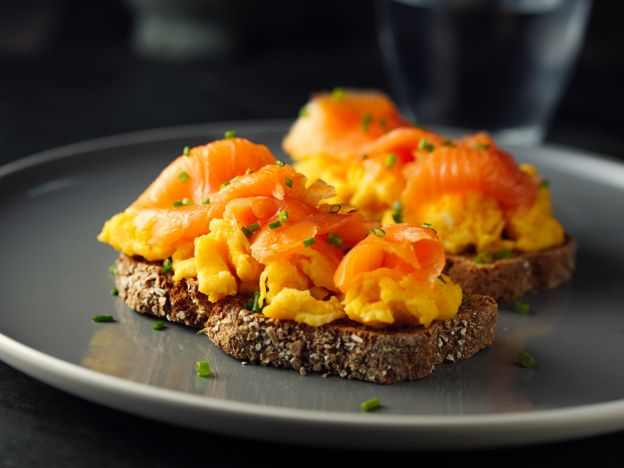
(55, 278)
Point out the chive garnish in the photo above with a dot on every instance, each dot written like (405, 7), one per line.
(225, 184)
(378, 232)
(429, 226)
(283, 216)
(482, 146)
(504, 253)
(183, 176)
(183, 202)
(484, 257)
(202, 368)
(308, 242)
(102, 318)
(275, 224)
(397, 212)
(424, 145)
(448, 142)
(521, 307)
(186, 150)
(382, 123)
(338, 93)
(256, 302)
(390, 161)
(334, 239)
(280, 163)
(247, 232)
(442, 280)
(545, 183)
(371, 404)
(229, 134)
(333, 209)
(253, 227)
(366, 121)
(114, 292)
(303, 111)
(166, 266)
(112, 269)
(289, 182)
(159, 325)
(205, 201)
(527, 360)
(416, 124)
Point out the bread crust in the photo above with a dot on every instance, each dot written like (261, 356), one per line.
(343, 347)
(510, 279)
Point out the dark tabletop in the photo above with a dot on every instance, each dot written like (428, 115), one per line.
(89, 83)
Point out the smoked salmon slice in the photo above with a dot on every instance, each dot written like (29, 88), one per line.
(411, 250)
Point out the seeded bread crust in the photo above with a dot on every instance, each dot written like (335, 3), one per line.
(343, 347)
(510, 279)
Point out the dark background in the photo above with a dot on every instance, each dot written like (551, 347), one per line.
(73, 70)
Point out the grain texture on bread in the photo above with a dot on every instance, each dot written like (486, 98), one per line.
(511, 278)
(343, 347)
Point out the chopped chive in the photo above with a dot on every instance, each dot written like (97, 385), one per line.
(225, 184)
(416, 124)
(482, 146)
(504, 253)
(289, 182)
(283, 216)
(159, 325)
(183, 202)
(205, 201)
(371, 404)
(229, 134)
(378, 232)
(166, 266)
(429, 226)
(521, 307)
(397, 212)
(448, 142)
(112, 269)
(390, 161)
(527, 360)
(275, 224)
(186, 151)
(102, 318)
(484, 257)
(253, 227)
(247, 232)
(545, 183)
(442, 280)
(249, 306)
(280, 163)
(424, 145)
(338, 93)
(333, 209)
(202, 368)
(255, 307)
(114, 292)
(334, 239)
(303, 111)
(366, 121)
(308, 242)
(382, 122)
(183, 176)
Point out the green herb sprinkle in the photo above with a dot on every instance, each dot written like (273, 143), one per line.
(484, 257)
(229, 134)
(202, 368)
(390, 161)
(167, 265)
(371, 404)
(527, 360)
(159, 325)
(102, 318)
(308, 242)
(334, 239)
(521, 307)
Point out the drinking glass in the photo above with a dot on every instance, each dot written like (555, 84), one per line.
(495, 65)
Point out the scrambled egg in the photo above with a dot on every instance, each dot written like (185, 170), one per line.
(381, 297)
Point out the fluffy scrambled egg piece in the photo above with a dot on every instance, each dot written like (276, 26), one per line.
(301, 306)
(381, 298)
(222, 262)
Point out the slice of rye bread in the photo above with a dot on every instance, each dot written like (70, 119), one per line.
(343, 347)
(511, 278)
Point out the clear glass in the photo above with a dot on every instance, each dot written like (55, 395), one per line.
(495, 65)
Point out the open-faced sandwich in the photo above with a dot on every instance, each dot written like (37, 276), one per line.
(229, 240)
(493, 216)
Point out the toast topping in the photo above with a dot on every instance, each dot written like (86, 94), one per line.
(267, 232)
(470, 190)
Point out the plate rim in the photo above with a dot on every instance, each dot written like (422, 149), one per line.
(595, 418)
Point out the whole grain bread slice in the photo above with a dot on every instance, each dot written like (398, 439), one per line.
(343, 347)
(511, 278)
